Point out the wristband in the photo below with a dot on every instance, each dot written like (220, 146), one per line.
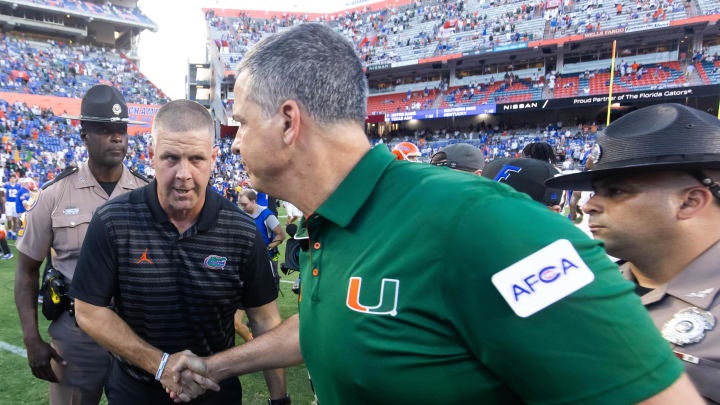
(160, 370)
(282, 401)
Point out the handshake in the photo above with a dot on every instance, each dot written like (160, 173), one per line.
(186, 376)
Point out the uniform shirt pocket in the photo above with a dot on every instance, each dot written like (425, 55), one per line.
(69, 231)
(705, 374)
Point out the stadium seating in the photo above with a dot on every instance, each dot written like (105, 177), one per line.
(497, 92)
(390, 103)
(709, 6)
(596, 15)
(107, 9)
(657, 76)
(427, 28)
(44, 144)
(567, 86)
(412, 31)
(501, 142)
(69, 70)
(709, 71)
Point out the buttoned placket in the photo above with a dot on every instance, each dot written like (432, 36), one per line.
(313, 226)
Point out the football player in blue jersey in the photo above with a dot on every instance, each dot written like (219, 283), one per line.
(12, 190)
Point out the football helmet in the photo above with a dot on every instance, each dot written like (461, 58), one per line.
(28, 183)
(406, 151)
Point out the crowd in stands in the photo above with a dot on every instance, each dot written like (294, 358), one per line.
(379, 34)
(98, 8)
(35, 142)
(570, 142)
(410, 101)
(629, 76)
(707, 64)
(38, 143)
(427, 28)
(69, 70)
(596, 15)
(229, 173)
(511, 88)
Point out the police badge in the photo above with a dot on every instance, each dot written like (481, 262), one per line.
(688, 326)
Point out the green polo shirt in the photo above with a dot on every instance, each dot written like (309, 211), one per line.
(398, 306)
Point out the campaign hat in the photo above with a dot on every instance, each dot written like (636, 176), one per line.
(659, 137)
(104, 104)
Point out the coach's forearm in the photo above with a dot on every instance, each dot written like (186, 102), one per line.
(262, 320)
(111, 332)
(278, 348)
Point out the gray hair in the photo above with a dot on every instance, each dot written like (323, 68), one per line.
(182, 116)
(312, 65)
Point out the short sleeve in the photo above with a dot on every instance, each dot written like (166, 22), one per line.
(597, 345)
(37, 237)
(272, 222)
(258, 282)
(95, 279)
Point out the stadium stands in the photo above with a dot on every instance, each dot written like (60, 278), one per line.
(709, 71)
(42, 70)
(709, 6)
(568, 141)
(430, 29)
(653, 76)
(596, 15)
(504, 91)
(408, 31)
(412, 31)
(68, 70)
(425, 28)
(389, 103)
(105, 10)
(36, 141)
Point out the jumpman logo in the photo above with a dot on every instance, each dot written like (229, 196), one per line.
(144, 258)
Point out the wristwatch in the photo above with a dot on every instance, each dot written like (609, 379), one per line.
(282, 401)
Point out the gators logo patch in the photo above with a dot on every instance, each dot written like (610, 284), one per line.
(215, 262)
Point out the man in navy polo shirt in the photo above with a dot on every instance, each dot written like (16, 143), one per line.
(176, 260)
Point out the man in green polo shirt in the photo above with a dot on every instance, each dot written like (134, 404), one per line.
(421, 311)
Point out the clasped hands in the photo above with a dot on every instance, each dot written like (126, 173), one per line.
(186, 377)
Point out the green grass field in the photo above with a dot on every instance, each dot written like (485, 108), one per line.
(20, 387)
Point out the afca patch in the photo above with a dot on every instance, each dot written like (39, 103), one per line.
(543, 278)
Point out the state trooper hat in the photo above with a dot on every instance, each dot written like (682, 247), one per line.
(663, 136)
(104, 104)
(527, 176)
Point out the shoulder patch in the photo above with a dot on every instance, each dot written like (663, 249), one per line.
(34, 201)
(139, 176)
(68, 171)
(543, 278)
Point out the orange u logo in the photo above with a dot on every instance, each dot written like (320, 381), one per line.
(388, 297)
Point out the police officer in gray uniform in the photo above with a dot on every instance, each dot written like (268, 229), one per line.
(657, 207)
(73, 363)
